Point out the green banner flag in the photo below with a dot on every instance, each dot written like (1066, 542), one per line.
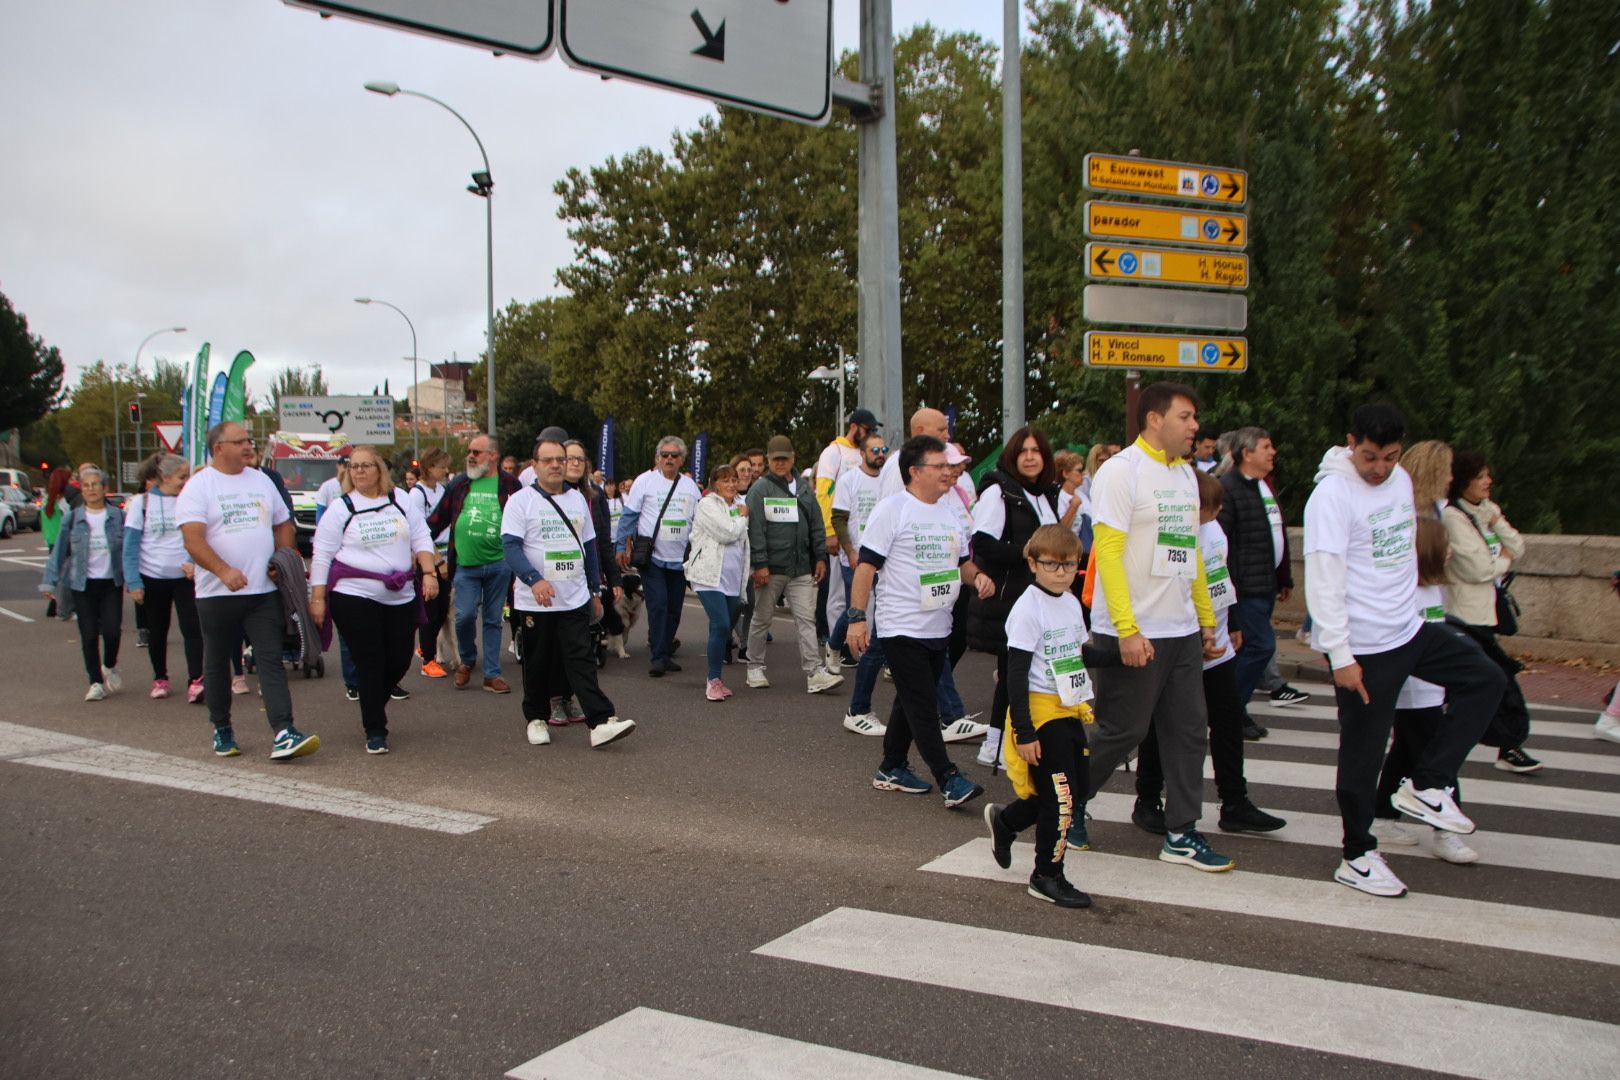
(236, 388)
(197, 395)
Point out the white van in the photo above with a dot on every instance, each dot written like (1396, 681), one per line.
(17, 478)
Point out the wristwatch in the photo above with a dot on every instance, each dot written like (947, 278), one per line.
(855, 614)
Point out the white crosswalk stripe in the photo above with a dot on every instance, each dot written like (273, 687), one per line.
(1524, 794)
(1539, 729)
(1555, 761)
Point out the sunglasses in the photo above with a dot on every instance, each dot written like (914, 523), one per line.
(670, 454)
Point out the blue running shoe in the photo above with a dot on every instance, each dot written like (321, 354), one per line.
(903, 779)
(1193, 850)
(225, 742)
(958, 789)
(1078, 837)
(292, 743)
(376, 744)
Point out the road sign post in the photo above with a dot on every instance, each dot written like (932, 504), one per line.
(168, 433)
(1135, 305)
(1165, 352)
(1167, 266)
(1166, 179)
(1138, 221)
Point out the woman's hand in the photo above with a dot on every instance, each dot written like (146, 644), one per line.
(138, 595)
(430, 586)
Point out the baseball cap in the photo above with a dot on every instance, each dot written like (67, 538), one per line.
(954, 455)
(780, 446)
(864, 418)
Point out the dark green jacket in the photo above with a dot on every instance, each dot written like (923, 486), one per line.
(791, 549)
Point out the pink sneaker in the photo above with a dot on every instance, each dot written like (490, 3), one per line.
(194, 691)
(726, 690)
(716, 690)
(239, 684)
(160, 688)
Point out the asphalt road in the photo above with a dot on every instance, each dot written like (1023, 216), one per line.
(163, 931)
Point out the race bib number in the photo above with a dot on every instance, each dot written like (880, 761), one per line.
(1434, 614)
(1221, 593)
(564, 565)
(1175, 555)
(1072, 680)
(673, 528)
(1273, 512)
(1494, 542)
(939, 588)
(782, 511)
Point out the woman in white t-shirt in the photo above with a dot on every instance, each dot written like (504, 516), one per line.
(87, 558)
(717, 565)
(157, 573)
(370, 543)
(427, 494)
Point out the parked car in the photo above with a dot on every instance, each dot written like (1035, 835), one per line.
(24, 514)
(17, 478)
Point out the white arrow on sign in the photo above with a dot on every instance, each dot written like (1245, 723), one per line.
(169, 432)
(770, 56)
(522, 27)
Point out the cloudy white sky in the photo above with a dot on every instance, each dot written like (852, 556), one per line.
(216, 164)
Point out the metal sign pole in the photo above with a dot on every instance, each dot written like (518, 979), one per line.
(1012, 225)
(879, 242)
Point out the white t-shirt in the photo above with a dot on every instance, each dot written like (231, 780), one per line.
(836, 460)
(675, 530)
(1065, 499)
(1274, 518)
(990, 515)
(1053, 629)
(1212, 544)
(328, 492)
(923, 546)
(427, 500)
(239, 513)
(1373, 528)
(163, 549)
(377, 537)
(528, 476)
(99, 563)
(1415, 693)
(1156, 506)
(549, 546)
(856, 493)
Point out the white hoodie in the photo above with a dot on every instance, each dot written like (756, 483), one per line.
(1360, 561)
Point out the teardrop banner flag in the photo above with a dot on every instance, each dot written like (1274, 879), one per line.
(197, 394)
(604, 448)
(216, 399)
(184, 448)
(950, 423)
(700, 457)
(236, 389)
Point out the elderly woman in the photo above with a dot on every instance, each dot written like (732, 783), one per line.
(88, 557)
(157, 573)
(367, 545)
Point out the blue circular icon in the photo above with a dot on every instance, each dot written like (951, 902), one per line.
(1210, 183)
(1212, 229)
(1210, 353)
(1127, 262)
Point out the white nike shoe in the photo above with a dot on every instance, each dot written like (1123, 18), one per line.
(1432, 806)
(1450, 847)
(1369, 875)
(538, 733)
(963, 730)
(1394, 833)
(865, 724)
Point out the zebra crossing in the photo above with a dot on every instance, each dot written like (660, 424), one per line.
(1458, 1028)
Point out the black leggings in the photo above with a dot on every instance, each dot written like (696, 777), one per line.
(379, 637)
(1060, 780)
(179, 592)
(100, 608)
(427, 636)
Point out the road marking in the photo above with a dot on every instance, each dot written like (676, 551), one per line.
(30, 561)
(1520, 851)
(1563, 760)
(53, 750)
(1552, 729)
(1545, 932)
(1323, 690)
(654, 1045)
(1422, 1031)
(14, 615)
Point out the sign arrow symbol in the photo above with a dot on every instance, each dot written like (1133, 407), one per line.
(1233, 354)
(1232, 231)
(714, 42)
(1102, 260)
(1232, 188)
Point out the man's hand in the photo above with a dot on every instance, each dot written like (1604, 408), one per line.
(1349, 678)
(138, 595)
(624, 558)
(233, 579)
(190, 570)
(762, 577)
(857, 638)
(618, 594)
(832, 544)
(543, 592)
(1237, 640)
(820, 571)
(1030, 752)
(1212, 649)
(984, 586)
(1283, 594)
(1135, 651)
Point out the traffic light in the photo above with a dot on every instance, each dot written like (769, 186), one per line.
(135, 412)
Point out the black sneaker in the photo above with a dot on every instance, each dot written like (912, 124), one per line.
(1517, 761)
(399, 693)
(656, 669)
(1148, 814)
(1252, 731)
(1057, 890)
(1287, 695)
(670, 665)
(1001, 837)
(142, 639)
(1244, 816)
(352, 693)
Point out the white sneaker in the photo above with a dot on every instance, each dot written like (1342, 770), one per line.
(757, 680)
(95, 693)
(1432, 806)
(1450, 847)
(1394, 833)
(832, 661)
(113, 681)
(1607, 727)
(990, 752)
(963, 730)
(822, 681)
(539, 735)
(609, 730)
(1369, 875)
(865, 724)
(239, 684)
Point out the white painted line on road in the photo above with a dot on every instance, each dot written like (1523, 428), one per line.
(14, 615)
(653, 1045)
(1550, 729)
(1323, 694)
(30, 561)
(52, 750)
(1600, 761)
(1318, 903)
(1422, 1031)
(1520, 851)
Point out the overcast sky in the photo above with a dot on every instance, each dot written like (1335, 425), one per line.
(216, 164)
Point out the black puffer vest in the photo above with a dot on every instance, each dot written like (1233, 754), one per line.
(1002, 560)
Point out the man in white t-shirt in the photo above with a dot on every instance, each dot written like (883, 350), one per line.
(1360, 586)
(853, 502)
(1151, 618)
(233, 519)
(660, 505)
(921, 548)
(837, 458)
(930, 422)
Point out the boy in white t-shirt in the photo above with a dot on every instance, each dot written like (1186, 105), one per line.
(1044, 727)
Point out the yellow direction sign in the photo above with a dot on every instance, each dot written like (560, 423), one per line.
(1122, 349)
(1130, 221)
(1167, 179)
(1167, 266)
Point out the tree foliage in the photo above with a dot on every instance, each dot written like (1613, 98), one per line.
(30, 371)
(297, 382)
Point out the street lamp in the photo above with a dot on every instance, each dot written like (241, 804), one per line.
(416, 386)
(483, 186)
(830, 374)
(118, 444)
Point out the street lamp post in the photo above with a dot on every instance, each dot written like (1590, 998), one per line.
(118, 442)
(483, 186)
(416, 386)
(827, 374)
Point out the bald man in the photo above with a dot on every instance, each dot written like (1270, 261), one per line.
(930, 422)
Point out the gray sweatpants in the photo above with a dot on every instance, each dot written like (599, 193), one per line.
(801, 602)
(226, 622)
(1169, 694)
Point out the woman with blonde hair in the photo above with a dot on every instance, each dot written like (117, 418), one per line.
(1428, 463)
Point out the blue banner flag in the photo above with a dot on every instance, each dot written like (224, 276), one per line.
(700, 457)
(950, 422)
(216, 398)
(604, 449)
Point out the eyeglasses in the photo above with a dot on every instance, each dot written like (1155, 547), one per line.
(670, 454)
(932, 465)
(577, 460)
(1054, 566)
(364, 465)
(238, 442)
(550, 460)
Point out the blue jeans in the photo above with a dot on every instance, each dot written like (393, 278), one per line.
(481, 587)
(351, 674)
(664, 589)
(721, 609)
(1253, 617)
(946, 697)
(866, 677)
(839, 631)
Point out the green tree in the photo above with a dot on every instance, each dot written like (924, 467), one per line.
(297, 382)
(526, 398)
(30, 371)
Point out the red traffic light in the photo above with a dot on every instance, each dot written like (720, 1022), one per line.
(134, 412)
